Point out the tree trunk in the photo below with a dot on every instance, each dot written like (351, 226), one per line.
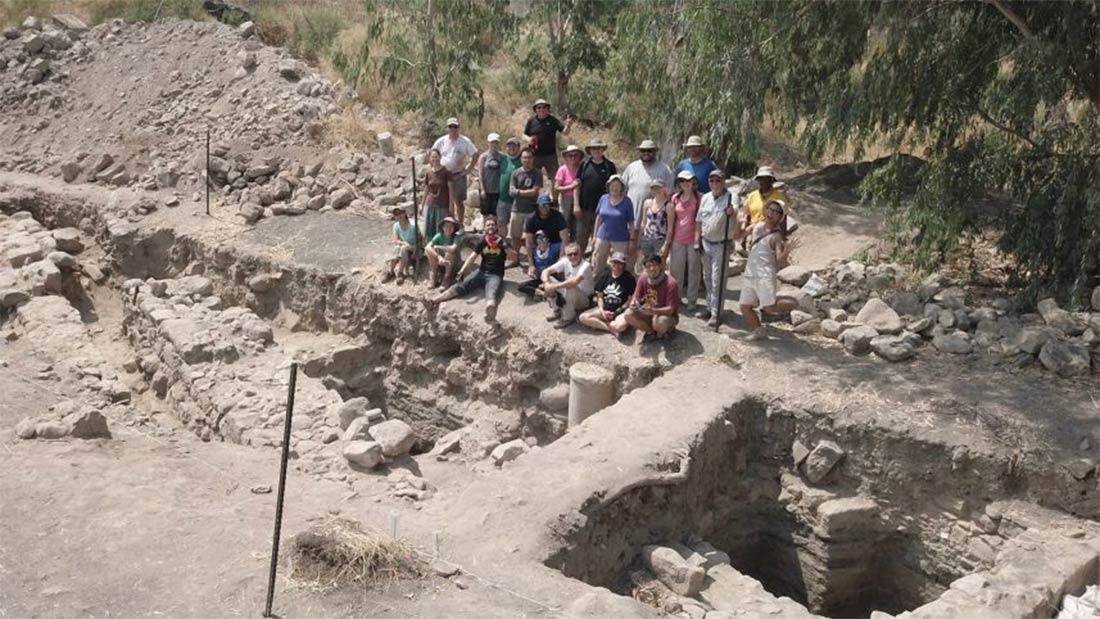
(561, 93)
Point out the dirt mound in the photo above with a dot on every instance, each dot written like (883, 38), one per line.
(145, 95)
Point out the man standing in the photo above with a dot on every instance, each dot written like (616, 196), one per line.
(593, 174)
(525, 187)
(655, 307)
(714, 225)
(695, 160)
(549, 222)
(640, 173)
(460, 157)
(488, 172)
(542, 136)
(508, 164)
(568, 285)
(767, 192)
(492, 248)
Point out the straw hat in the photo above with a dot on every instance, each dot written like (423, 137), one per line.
(694, 140)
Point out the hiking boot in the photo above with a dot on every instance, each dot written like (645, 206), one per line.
(491, 312)
(561, 323)
(400, 278)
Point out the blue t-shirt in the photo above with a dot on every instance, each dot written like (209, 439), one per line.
(701, 171)
(615, 220)
(543, 260)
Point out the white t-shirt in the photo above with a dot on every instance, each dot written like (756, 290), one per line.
(638, 176)
(455, 153)
(567, 270)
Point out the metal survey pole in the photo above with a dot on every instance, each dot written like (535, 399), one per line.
(208, 170)
(282, 489)
(416, 224)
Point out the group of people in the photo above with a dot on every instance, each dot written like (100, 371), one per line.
(584, 228)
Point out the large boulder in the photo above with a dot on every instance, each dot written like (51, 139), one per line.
(674, 570)
(822, 460)
(957, 343)
(857, 340)
(87, 424)
(1030, 339)
(1059, 318)
(1064, 359)
(880, 316)
(68, 240)
(892, 347)
(906, 304)
(395, 436)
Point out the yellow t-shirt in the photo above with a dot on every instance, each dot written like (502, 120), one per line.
(755, 203)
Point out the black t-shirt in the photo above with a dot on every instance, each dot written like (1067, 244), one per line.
(492, 256)
(545, 131)
(552, 225)
(616, 291)
(594, 182)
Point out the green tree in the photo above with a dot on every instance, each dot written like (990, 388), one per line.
(563, 38)
(433, 50)
(1000, 98)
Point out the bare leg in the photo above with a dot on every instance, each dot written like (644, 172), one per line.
(781, 305)
(637, 321)
(593, 319)
(663, 325)
(749, 314)
(446, 295)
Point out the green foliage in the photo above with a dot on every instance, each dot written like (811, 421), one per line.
(13, 12)
(562, 39)
(143, 10)
(1000, 98)
(432, 50)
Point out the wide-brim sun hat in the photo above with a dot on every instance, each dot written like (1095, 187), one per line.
(765, 172)
(572, 148)
(782, 206)
(647, 145)
(513, 141)
(616, 177)
(595, 143)
(397, 209)
(449, 220)
(539, 102)
(694, 140)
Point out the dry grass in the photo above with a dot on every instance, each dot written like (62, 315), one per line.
(337, 551)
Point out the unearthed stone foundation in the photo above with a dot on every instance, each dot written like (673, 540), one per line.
(884, 523)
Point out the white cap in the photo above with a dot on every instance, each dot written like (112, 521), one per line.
(493, 137)
(452, 121)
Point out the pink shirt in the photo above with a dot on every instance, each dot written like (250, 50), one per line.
(683, 229)
(566, 176)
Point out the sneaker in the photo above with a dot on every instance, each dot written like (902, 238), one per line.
(759, 333)
(702, 314)
(490, 313)
(387, 276)
(400, 278)
(713, 322)
(555, 315)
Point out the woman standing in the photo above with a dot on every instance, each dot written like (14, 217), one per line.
(439, 185)
(657, 213)
(685, 264)
(615, 229)
(565, 187)
(769, 251)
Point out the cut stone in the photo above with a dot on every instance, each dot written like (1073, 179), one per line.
(366, 454)
(395, 436)
(822, 460)
(673, 570)
(509, 451)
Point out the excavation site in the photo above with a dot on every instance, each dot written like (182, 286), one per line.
(202, 343)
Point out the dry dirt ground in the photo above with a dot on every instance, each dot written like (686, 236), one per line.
(155, 522)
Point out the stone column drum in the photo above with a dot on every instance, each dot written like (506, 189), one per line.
(591, 389)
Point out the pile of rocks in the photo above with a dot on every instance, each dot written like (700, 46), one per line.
(35, 261)
(66, 418)
(866, 310)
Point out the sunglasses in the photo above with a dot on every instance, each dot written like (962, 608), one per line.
(647, 150)
(572, 253)
(452, 126)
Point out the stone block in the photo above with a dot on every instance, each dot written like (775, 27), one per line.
(673, 570)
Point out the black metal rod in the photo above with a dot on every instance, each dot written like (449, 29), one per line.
(416, 225)
(282, 489)
(721, 283)
(134, 300)
(208, 170)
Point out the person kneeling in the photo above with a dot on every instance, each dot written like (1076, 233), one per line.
(655, 307)
(444, 252)
(568, 285)
(612, 292)
(493, 250)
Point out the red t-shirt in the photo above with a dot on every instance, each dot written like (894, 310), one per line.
(667, 294)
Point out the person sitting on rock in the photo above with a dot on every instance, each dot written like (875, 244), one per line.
(655, 307)
(405, 239)
(568, 285)
(613, 290)
(546, 254)
(444, 252)
(493, 250)
(768, 250)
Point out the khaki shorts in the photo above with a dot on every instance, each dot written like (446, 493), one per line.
(460, 187)
(516, 224)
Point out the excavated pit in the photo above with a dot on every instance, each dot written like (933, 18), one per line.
(888, 527)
